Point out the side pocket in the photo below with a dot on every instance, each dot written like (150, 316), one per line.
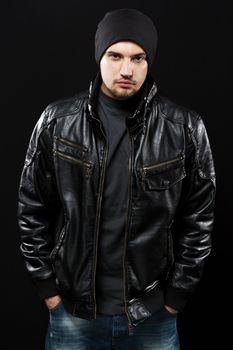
(53, 309)
(58, 262)
(170, 249)
(57, 247)
(169, 313)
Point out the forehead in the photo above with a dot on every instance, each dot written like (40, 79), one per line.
(126, 48)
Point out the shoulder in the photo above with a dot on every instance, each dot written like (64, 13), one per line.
(64, 107)
(59, 109)
(176, 113)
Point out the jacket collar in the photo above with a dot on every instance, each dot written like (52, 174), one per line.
(138, 117)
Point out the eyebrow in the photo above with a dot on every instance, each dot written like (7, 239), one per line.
(117, 53)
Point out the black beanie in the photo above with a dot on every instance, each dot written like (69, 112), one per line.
(126, 25)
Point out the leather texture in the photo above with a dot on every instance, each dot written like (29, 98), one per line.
(170, 207)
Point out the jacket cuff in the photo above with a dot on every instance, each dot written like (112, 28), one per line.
(46, 288)
(175, 298)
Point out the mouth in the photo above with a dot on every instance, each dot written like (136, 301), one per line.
(125, 83)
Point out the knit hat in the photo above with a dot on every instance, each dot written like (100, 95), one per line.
(126, 25)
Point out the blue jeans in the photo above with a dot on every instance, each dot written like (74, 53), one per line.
(66, 332)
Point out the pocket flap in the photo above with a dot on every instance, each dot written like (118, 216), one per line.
(163, 175)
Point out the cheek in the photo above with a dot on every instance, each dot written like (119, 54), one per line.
(107, 72)
(105, 77)
(144, 73)
(145, 69)
(141, 76)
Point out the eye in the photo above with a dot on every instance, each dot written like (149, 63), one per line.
(114, 56)
(139, 59)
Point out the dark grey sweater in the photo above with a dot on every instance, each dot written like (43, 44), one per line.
(109, 277)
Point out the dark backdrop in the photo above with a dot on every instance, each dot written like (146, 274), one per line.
(47, 52)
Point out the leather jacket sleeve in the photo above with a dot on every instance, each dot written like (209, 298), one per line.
(37, 209)
(194, 220)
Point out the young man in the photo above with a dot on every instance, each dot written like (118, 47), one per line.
(116, 202)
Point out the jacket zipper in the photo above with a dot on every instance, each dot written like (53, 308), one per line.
(57, 247)
(71, 159)
(99, 201)
(170, 249)
(130, 326)
(70, 143)
(150, 167)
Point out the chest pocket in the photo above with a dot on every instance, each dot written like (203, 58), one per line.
(163, 175)
(73, 153)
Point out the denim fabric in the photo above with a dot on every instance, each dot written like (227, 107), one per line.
(66, 332)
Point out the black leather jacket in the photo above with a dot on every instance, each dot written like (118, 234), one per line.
(170, 205)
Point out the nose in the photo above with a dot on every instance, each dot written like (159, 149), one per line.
(126, 68)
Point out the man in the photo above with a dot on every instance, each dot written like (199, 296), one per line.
(116, 201)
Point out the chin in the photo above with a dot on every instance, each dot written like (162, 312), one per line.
(123, 95)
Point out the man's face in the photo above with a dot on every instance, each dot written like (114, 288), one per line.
(123, 69)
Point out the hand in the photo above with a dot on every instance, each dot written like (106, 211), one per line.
(171, 310)
(52, 301)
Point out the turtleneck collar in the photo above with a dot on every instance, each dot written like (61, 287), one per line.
(147, 92)
(129, 104)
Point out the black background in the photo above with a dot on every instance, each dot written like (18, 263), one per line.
(47, 52)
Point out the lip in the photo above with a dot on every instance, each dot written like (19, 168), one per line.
(124, 84)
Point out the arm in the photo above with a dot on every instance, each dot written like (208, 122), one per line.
(193, 223)
(38, 209)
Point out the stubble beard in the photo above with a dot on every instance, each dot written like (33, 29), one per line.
(123, 94)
